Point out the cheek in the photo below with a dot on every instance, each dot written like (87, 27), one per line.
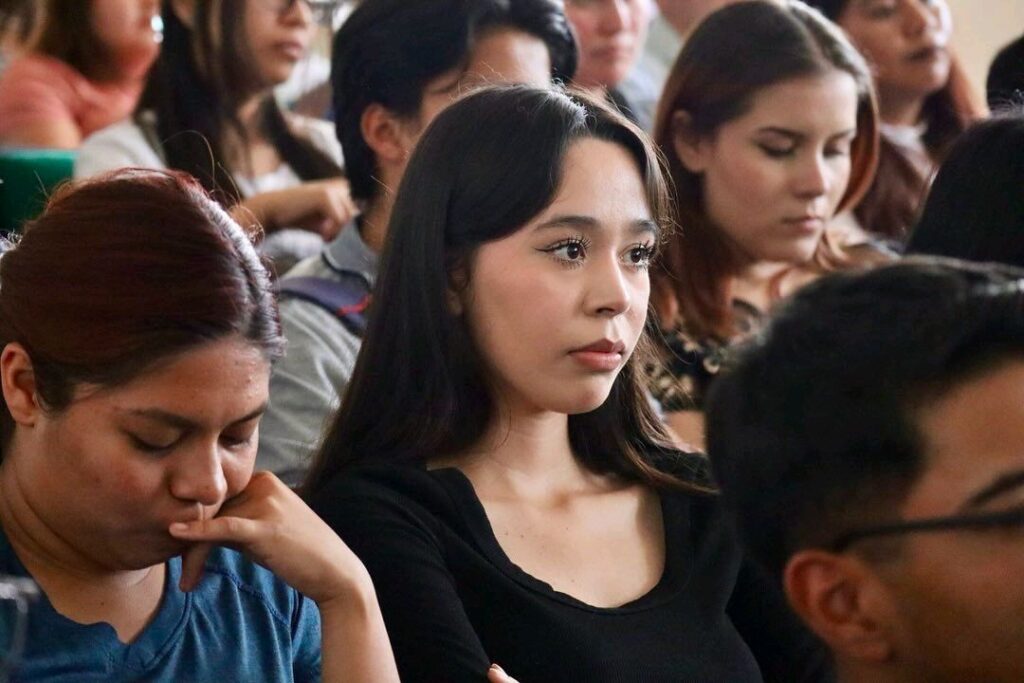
(127, 483)
(741, 189)
(840, 182)
(238, 472)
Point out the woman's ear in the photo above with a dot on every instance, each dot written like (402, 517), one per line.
(19, 384)
(458, 289)
(691, 148)
(185, 10)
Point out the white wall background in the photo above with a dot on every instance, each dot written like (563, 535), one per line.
(981, 28)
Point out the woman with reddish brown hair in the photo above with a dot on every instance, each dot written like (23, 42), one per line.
(132, 390)
(768, 124)
(925, 100)
(85, 71)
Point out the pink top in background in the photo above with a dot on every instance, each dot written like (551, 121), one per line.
(36, 88)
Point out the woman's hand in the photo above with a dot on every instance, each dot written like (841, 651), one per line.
(322, 206)
(270, 524)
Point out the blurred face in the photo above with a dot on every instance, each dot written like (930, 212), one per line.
(500, 56)
(773, 177)
(126, 28)
(958, 594)
(111, 472)
(905, 41)
(556, 308)
(278, 34)
(611, 34)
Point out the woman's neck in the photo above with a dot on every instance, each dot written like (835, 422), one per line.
(374, 222)
(900, 109)
(42, 549)
(754, 283)
(250, 148)
(524, 455)
(78, 586)
(248, 113)
(127, 70)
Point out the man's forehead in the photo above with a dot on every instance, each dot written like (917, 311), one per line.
(973, 433)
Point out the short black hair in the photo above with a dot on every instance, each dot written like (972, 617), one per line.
(975, 208)
(387, 51)
(814, 430)
(1005, 83)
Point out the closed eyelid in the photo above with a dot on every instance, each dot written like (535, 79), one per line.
(1002, 485)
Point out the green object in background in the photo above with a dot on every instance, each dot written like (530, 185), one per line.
(29, 176)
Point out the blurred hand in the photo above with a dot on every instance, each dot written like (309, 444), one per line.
(321, 206)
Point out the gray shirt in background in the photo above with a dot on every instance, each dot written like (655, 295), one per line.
(305, 385)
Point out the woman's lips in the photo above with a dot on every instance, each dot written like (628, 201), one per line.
(927, 54)
(293, 50)
(604, 355)
(806, 223)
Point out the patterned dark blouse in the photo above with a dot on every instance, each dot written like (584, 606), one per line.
(688, 364)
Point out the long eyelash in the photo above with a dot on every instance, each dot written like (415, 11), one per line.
(580, 240)
(650, 252)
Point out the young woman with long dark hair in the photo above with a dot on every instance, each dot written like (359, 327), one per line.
(495, 461)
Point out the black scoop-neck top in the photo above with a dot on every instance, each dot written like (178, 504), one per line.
(453, 601)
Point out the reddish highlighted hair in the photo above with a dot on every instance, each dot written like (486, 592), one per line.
(733, 55)
(123, 271)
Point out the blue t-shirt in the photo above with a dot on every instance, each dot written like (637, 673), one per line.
(241, 624)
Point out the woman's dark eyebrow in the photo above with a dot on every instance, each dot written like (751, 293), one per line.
(1004, 483)
(183, 423)
(640, 226)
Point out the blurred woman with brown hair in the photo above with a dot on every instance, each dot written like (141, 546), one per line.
(769, 126)
(924, 97)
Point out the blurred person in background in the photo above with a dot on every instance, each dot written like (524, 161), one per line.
(611, 36)
(769, 127)
(924, 98)
(209, 109)
(396, 65)
(83, 71)
(1004, 85)
(975, 207)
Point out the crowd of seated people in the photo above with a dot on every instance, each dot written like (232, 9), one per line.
(601, 340)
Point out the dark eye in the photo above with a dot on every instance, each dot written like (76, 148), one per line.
(570, 251)
(778, 152)
(639, 255)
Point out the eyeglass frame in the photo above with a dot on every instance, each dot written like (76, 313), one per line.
(975, 521)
